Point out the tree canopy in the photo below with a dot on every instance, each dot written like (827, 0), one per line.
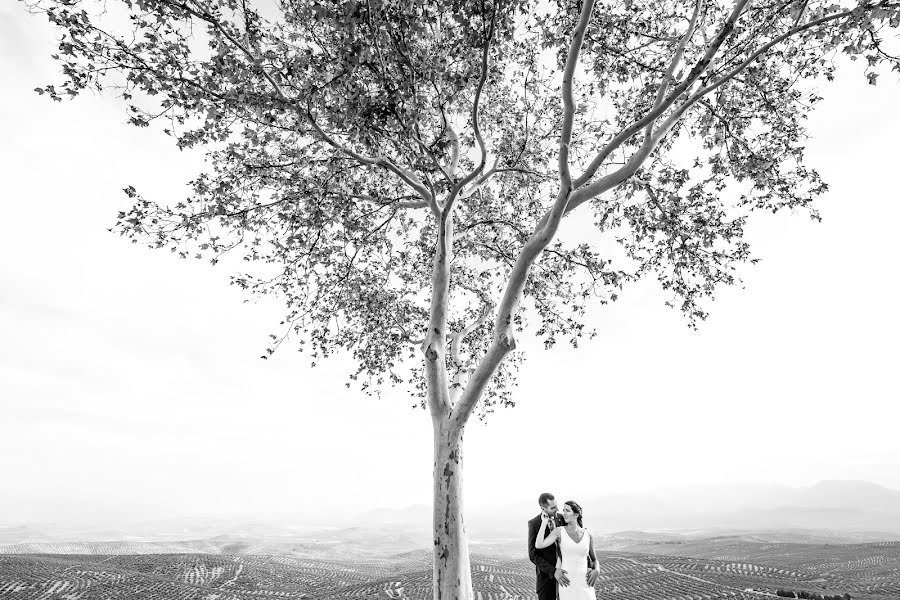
(344, 136)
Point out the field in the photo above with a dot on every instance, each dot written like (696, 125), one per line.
(863, 570)
(709, 569)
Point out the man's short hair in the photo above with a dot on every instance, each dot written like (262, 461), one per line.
(545, 499)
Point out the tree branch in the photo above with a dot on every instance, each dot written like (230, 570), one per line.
(433, 158)
(204, 16)
(504, 341)
(610, 181)
(675, 116)
(454, 145)
(673, 64)
(407, 176)
(568, 118)
(480, 181)
(654, 113)
(485, 63)
(766, 47)
(456, 340)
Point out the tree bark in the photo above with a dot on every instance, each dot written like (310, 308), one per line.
(452, 570)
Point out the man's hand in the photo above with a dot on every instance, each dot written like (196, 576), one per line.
(592, 576)
(561, 577)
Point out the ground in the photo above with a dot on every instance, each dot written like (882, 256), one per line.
(700, 570)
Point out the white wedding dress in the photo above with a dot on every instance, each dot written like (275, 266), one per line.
(574, 563)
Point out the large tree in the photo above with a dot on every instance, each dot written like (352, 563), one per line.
(397, 170)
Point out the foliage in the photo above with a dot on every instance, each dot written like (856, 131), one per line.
(348, 140)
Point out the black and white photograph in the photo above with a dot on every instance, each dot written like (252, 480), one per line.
(449, 299)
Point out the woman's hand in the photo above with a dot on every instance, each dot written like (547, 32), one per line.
(543, 539)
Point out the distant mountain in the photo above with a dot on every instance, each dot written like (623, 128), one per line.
(829, 505)
(114, 547)
(840, 509)
(415, 517)
(806, 517)
(842, 506)
(855, 495)
(16, 535)
(376, 541)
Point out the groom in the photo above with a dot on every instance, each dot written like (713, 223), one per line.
(545, 559)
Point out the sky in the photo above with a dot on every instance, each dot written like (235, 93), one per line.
(131, 385)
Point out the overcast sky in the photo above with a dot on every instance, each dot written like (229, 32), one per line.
(131, 384)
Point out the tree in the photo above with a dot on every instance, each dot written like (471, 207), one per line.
(397, 171)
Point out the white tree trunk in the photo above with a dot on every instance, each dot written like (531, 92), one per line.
(452, 570)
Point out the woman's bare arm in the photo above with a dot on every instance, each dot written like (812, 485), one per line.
(543, 538)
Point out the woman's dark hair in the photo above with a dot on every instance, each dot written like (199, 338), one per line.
(576, 508)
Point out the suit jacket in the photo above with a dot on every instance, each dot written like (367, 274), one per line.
(544, 559)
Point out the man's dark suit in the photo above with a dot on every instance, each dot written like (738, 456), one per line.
(544, 560)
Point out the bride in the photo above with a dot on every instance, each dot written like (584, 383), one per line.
(575, 546)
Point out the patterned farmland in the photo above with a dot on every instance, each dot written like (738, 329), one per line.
(732, 571)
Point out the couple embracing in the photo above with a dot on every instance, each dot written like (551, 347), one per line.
(562, 552)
